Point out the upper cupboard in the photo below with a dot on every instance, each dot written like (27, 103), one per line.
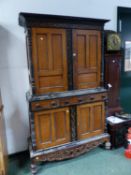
(63, 55)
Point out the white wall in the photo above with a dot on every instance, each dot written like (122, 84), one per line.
(13, 65)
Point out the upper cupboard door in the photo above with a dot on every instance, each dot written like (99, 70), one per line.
(49, 59)
(87, 58)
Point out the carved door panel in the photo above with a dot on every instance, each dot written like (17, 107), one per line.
(49, 60)
(87, 58)
(52, 128)
(90, 120)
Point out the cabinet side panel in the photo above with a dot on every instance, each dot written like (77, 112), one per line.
(83, 121)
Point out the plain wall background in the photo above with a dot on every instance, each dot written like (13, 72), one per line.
(13, 64)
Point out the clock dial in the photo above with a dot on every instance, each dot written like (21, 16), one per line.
(113, 42)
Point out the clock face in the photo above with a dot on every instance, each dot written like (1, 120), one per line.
(113, 42)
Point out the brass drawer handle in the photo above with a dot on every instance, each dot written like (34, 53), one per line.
(92, 98)
(66, 102)
(54, 104)
(80, 100)
(104, 97)
(38, 106)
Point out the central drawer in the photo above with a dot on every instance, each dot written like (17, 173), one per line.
(45, 104)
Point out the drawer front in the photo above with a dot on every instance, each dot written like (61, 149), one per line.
(92, 98)
(68, 101)
(47, 104)
(83, 99)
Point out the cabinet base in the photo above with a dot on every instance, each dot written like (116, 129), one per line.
(66, 151)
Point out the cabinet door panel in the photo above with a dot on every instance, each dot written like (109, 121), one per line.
(43, 127)
(52, 127)
(49, 60)
(90, 120)
(48, 82)
(61, 126)
(83, 121)
(91, 78)
(87, 48)
(93, 49)
(98, 118)
(82, 61)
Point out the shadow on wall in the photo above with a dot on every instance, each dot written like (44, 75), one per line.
(4, 41)
(13, 93)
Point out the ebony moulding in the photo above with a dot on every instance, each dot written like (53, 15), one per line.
(45, 20)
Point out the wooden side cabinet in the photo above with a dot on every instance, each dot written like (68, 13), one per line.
(118, 133)
(3, 148)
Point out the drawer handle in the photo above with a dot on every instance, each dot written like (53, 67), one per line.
(38, 106)
(104, 97)
(66, 102)
(92, 98)
(54, 104)
(80, 100)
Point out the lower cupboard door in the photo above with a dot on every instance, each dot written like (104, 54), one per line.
(90, 120)
(52, 128)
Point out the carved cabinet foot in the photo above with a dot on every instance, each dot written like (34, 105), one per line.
(33, 167)
(108, 145)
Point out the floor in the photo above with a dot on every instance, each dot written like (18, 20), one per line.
(95, 162)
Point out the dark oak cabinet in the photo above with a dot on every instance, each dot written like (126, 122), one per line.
(66, 102)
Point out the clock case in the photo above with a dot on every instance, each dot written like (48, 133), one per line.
(112, 74)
